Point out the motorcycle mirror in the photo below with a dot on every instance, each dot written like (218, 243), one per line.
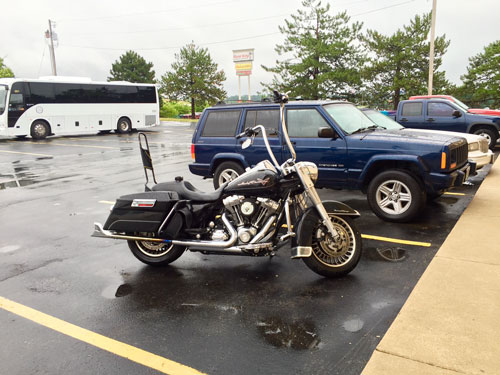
(246, 143)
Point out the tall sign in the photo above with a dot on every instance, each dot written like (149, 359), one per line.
(242, 59)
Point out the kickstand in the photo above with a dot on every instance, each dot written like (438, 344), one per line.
(147, 161)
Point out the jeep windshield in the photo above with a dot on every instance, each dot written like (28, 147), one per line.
(3, 97)
(382, 120)
(349, 118)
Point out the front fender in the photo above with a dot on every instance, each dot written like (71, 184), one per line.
(306, 223)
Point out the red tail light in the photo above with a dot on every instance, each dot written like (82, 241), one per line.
(192, 152)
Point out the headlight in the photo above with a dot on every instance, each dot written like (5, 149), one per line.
(473, 146)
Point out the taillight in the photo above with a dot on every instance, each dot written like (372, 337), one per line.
(193, 156)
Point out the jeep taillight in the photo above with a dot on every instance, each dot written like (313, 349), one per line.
(193, 156)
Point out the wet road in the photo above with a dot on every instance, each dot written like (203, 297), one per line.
(216, 314)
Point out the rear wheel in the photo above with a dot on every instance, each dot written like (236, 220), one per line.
(335, 257)
(489, 134)
(124, 126)
(39, 130)
(155, 253)
(227, 171)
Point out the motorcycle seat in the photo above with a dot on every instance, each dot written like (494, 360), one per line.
(186, 190)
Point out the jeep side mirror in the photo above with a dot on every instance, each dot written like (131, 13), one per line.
(457, 113)
(327, 132)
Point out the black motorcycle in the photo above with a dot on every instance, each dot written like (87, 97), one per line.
(245, 216)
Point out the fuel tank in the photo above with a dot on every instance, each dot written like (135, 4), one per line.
(260, 180)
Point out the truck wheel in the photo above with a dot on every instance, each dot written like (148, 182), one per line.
(489, 135)
(39, 130)
(124, 126)
(154, 253)
(227, 171)
(395, 196)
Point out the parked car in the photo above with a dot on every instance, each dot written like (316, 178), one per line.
(442, 114)
(478, 111)
(479, 152)
(397, 169)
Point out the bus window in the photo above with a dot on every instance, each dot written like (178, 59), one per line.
(42, 92)
(68, 93)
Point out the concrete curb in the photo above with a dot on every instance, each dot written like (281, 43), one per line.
(450, 322)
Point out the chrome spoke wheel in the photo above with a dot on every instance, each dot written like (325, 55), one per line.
(334, 252)
(153, 249)
(393, 197)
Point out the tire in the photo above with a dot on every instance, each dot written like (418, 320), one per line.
(154, 253)
(335, 258)
(39, 130)
(20, 136)
(124, 126)
(227, 171)
(104, 131)
(395, 196)
(489, 134)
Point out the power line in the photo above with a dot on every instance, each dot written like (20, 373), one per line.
(387, 7)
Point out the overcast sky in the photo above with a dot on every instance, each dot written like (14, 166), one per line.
(94, 33)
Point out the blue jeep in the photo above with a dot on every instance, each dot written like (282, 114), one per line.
(397, 169)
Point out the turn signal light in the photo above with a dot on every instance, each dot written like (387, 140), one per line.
(192, 152)
(443, 160)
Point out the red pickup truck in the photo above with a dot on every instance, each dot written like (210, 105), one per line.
(478, 111)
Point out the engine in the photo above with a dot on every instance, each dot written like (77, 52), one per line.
(249, 214)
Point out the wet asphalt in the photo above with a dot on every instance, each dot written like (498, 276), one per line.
(216, 314)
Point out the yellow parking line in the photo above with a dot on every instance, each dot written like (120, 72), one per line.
(395, 240)
(449, 193)
(107, 202)
(121, 349)
(25, 153)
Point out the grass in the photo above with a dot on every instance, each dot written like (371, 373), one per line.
(177, 119)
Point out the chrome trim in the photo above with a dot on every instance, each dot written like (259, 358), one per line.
(301, 252)
(146, 203)
(259, 236)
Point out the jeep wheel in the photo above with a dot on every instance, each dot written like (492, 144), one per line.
(227, 171)
(395, 196)
(489, 135)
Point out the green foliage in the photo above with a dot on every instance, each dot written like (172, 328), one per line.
(5, 71)
(194, 77)
(132, 67)
(481, 86)
(399, 64)
(321, 57)
(168, 110)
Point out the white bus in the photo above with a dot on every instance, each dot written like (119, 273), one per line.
(58, 106)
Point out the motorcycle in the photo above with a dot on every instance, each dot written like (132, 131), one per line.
(244, 216)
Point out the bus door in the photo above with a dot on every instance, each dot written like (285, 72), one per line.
(17, 103)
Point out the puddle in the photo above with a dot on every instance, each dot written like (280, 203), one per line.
(299, 335)
(392, 254)
(9, 249)
(112, 291)
(353, 325)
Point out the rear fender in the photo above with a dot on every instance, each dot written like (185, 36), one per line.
(307, 222)
(227, 156)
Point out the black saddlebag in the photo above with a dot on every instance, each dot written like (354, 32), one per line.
(141, 212)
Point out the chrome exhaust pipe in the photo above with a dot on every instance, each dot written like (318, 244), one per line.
(102, 233)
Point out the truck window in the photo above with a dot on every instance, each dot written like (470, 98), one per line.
(221, 124)
(304, 123)
(269, 118)
(439, 109)
(412, 109)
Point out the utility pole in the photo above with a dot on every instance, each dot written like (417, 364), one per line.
(431, 52)
(51, 46)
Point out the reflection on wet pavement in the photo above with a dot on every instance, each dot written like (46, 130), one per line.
(298, 335)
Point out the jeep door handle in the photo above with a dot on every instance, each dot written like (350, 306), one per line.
(404, 119)
(430, 119)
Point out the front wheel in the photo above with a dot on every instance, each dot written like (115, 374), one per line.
(155, 253)
(335, 257)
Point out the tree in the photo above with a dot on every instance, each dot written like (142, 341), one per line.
(320, 56)
(133, 68)
(5, 71)
(481, 86)
(194, 77)
(398, 65)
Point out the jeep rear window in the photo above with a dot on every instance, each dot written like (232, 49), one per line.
(221, 124)
(412, 109)
(269, 118)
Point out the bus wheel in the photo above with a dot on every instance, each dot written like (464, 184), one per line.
(124, 126)
(39, 130)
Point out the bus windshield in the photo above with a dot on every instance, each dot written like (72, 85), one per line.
(3, 98)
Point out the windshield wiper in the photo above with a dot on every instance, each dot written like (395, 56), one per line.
(371, 127)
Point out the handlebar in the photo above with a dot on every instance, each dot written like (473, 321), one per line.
(249, 132)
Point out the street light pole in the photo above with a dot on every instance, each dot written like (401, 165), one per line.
(431, 52)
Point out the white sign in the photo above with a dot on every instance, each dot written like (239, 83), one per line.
(243, 55)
